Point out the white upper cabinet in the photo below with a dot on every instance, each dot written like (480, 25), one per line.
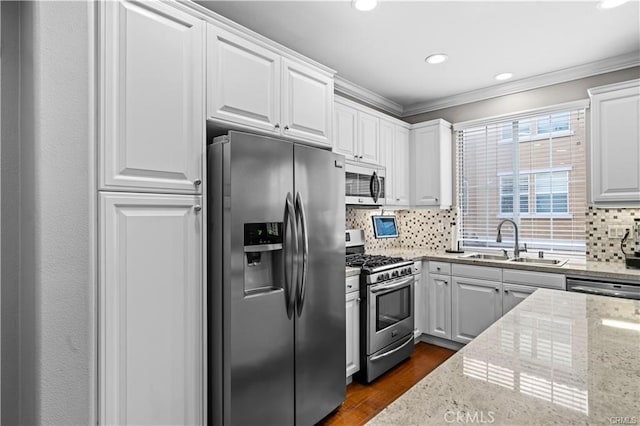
(394, 155)
(151, 296)
(243, 81)
(345, 130)
(387, 134)
(152, 87)
(307, 104)
(368, 138)
(615, 143)
(401, 161)
(357, 132)
(431, 164)
(255, 87)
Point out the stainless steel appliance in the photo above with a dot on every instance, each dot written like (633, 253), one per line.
(276, 281)
(364, 184)
(628, 289)
(387, 320)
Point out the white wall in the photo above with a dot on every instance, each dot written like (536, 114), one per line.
(57, 283)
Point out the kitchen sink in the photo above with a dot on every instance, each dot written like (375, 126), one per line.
(539, 261)
(484, 256)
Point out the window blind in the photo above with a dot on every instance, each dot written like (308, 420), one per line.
(530, 169)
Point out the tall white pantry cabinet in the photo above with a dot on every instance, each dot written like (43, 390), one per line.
(150, 174)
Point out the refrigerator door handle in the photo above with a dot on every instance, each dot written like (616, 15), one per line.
(302, 271)
(289, 224)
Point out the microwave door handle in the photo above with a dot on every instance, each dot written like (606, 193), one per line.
(302, 271)
(372, 187)
(379, 186)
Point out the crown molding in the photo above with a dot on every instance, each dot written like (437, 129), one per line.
(345, 87)
(587, 70)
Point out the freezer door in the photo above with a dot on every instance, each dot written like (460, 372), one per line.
(320, 313)
(258, 331)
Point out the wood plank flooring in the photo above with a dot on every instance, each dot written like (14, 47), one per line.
(363, 402)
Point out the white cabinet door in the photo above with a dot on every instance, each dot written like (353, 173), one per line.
(476, 304)
(512, 294)
(353, 332)
(401, 162)
(418, 308)
(615, 143)
(151, 292)
(243, 81)
(368, 138)
(153, 88)
(439, 306)
(387, 134)
(307, 103)
(345, 140)
(431, 170)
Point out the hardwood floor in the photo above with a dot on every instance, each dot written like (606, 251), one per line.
(363, 402)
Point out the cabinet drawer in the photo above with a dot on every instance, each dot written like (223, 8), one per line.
(353, 283)
(478, 272)
(440, 268)
(536, 279)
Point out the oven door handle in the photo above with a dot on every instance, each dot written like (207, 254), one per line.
(390, 287)
(604, 292)
(392, 351)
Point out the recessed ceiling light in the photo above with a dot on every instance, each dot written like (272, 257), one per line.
(436, 58)
(504, 76)
(610, 4)
(364, 5)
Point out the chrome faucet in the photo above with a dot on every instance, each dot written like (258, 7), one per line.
(516, 245)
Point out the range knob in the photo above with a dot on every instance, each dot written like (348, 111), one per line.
(386, 276)
(380, 277)
(408, 270)
(395, 274)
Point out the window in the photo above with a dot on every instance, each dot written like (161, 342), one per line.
(552, 192)
(506, 194)
(548, 198)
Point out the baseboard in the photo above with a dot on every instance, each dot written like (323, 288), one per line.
(438, 341)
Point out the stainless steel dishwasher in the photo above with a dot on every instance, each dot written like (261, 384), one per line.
(613, 288)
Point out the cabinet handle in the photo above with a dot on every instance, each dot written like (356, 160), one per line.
(197, 207)
(397, 199)
(506, 292)
(446, 283)
(277, 125)
(358, 300)
(438, 268)
(436, 199)
(286, 127)
(497, 290)
(349, 286)
(197, 182)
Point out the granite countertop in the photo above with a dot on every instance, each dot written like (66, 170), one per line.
(574, 267)
(556, 358)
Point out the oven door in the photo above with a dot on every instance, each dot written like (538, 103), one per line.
(390, 312)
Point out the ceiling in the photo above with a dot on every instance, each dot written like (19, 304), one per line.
(384, 50)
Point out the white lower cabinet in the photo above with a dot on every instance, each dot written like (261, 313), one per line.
(476, 304)
(353, 326)
(513, 294)
(439, 306)
(151, 309)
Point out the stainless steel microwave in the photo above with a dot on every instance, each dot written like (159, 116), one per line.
(365, 184)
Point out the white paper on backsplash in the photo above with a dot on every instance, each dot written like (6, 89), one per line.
(599, 246)
(426, 229)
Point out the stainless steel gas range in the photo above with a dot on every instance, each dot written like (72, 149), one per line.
(387, 318)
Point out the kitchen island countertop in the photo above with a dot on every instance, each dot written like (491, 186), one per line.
(556, 358)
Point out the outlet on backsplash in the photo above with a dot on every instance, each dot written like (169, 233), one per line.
(616, 232)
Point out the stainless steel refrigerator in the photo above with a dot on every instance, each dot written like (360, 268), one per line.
(276, 281)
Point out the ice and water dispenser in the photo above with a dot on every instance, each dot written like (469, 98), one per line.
(263, 257)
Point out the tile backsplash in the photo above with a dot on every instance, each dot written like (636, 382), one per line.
(602, 248)
(428, 229)
(431, 229)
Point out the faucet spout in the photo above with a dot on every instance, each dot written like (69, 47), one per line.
(516, 243)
